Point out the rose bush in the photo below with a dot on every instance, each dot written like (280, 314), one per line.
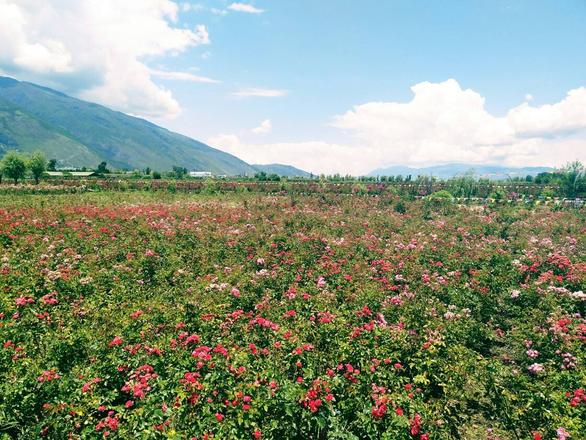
(136, 315)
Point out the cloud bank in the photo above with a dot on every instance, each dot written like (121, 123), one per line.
(96, 49)
(442, 123)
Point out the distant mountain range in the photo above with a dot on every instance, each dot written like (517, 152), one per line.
(282, 170)
(493, 172)
(79, 133)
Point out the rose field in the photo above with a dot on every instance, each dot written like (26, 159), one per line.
(314, 316)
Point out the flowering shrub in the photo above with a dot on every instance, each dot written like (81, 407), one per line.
(152, 315)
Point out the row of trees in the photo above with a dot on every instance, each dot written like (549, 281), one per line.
(571, 179)
(15, 166)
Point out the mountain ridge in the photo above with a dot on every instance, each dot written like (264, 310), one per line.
(281, 170)
(80, 133)
(494, 172)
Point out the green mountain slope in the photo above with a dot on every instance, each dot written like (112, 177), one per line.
(21, 131)
(79, 133)
(282, 170)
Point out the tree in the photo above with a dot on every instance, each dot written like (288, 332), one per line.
(52, 165)
(13, 166)
(574, 176)
(546, 178)
(179, 172)
(261, 176)
(37, 164)
(102, 168)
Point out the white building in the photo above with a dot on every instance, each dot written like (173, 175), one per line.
(200, 174)
(71, 173)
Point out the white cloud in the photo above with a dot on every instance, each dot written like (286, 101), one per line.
(217, 11)
(551, 119)
(44, 54)
(95, 49)
(310, 156)
(226, 142)
(182, 76)
(264, 127)
(445, 123)
(188, 7)
(442, 119)
(244, 7)
(442, 123)
(260, 93)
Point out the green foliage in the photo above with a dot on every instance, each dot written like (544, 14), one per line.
(179, 172)
(571, 179)
(37, 164)
(264, 177)
(13, 166)
(441, 195)
(327, 316)
(499, 195)
(400, 207)
(462, 186)
(102, 168)
(574, 179)
(440, 198)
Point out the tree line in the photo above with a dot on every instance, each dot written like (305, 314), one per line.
(570, 179)
(15, 165)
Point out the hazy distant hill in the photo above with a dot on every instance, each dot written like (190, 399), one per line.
(79, 133)
(494, 172)
(282, 170)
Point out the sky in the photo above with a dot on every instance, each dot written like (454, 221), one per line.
(329, 86)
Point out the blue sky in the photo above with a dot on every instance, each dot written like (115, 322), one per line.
(335, 54)
(494, 75)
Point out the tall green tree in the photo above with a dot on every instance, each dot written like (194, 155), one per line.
(573, 178)
(52, 165)
(13, 166)
(102, 168)
(179, 172)
(37, 164)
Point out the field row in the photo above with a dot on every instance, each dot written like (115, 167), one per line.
(135, 315)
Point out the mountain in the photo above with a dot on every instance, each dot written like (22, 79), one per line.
(493, 172)
(79, 133)
(281, 170)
